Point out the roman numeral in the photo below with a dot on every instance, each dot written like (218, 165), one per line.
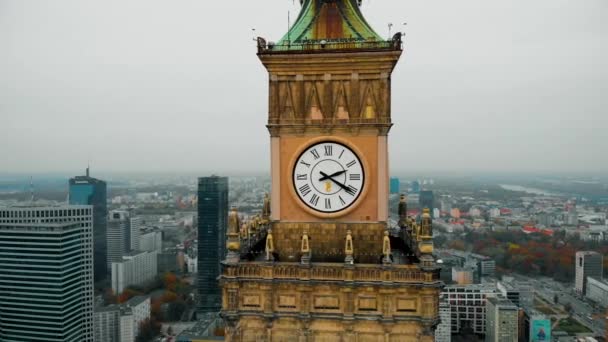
(341, 154)
(351, 190)
(351, 164)
(329, 150)
(342, 200)
(355, 177)
(314, 200)
(327, 203)
(304, 163)
(305, 190)
(315, 154)
(302, 177)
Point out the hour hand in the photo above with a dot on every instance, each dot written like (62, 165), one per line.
(326, 177)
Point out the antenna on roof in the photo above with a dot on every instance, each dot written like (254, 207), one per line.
(32, 189)
(288, 27)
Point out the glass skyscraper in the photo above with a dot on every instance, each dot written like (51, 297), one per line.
(86, 190)
(46, 274)
(212, 223)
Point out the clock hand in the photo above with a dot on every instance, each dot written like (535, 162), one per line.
(344, 187)
(325, 177)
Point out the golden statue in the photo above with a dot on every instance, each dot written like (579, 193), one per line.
(305, 248)
(269, 246)
(386, 249)
(266, 208)
(348, 248)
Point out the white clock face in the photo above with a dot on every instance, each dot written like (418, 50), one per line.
(328, 177)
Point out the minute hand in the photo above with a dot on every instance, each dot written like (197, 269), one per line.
(335, 181)
(325, 177)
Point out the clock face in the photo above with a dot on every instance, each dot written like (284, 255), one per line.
(328, 177)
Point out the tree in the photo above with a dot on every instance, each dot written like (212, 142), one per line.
(556, 299)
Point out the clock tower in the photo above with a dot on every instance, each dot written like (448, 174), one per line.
(322, 262)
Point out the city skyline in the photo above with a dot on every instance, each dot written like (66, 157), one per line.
(521, 94)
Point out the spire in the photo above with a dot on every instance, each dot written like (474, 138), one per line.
(330, 20)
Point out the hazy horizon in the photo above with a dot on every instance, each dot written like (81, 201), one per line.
(137, 86)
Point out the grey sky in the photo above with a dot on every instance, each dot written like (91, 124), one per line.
(140, 85)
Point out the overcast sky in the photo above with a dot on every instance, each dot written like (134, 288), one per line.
(175, 86)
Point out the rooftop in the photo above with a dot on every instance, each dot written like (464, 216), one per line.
(325, 25)
(137, 300)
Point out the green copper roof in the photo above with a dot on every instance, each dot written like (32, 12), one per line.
(330, 20)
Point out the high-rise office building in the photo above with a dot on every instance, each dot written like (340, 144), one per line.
(122, 235)
(588, 264)
(502, 320)
(118, 236)
(415, 187)
(46, 274)
(427, 200)
(135, 225)
(395, 186)
(86, 190)
(212, 222)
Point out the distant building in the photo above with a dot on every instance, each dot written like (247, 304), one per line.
(486, 265)
(415, 187)
(203, 330)
(46, 273)
(140, 310)
(519, 293)
(536, 326)
(588, 264)
(597, 291)
(120, 323)
(462, 276)
(468, 306)
(107, 323)
(136, 224)
(475, 212)
(444, 329)
(455, 213)
(135, 269)
(494, 213)
(502, 320)
(86, 190)
(192, 262)
(168, 262)
(151, 242)
(395, 186)
(127, 331)
(212, 225)
(118, 236)
(427, 200)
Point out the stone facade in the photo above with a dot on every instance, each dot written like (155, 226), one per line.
(296, 274)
